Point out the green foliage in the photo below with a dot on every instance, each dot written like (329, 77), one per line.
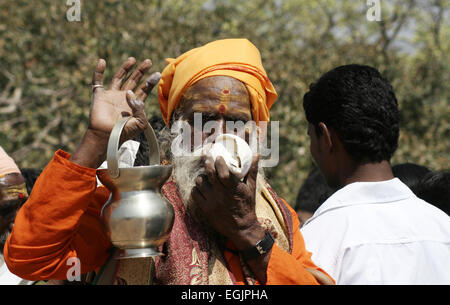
(46, 65)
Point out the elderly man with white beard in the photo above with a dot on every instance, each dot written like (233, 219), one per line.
(226, 230)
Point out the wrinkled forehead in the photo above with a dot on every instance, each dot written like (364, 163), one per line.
(219, 95)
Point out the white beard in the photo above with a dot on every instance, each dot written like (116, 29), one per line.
(188, 165)
(185, 170)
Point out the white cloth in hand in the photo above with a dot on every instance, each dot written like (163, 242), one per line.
(235, 151)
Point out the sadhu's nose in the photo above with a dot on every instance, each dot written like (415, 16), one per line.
(215, 128)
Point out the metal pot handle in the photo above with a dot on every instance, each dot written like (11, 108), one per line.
(112, 156)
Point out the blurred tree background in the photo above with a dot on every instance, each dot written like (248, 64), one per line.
(46, 65)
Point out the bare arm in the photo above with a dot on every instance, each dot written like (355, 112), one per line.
(61, 218)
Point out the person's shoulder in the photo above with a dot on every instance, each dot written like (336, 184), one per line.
(331, 210)
(332, 222)
(431, 213)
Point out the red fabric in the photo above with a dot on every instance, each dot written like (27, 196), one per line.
(178, 265)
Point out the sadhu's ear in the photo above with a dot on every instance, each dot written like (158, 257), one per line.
(256, 131)
(262, 130)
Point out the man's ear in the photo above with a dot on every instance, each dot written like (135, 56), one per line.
(262, 131)
(325, 136)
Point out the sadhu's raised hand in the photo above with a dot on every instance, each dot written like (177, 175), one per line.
(122, 98)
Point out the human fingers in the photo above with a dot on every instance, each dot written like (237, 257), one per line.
(137, 74)
(253, 171)
(97, 77)
(147, 86)
(223, 173)
(138, 121)
(320, 276)
(120, 75)
(202, 184)
(136, 105)
(210, 170)
(197, 196)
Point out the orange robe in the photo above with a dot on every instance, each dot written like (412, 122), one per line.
(61, 220)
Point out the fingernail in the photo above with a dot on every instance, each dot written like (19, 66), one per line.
(154, 78)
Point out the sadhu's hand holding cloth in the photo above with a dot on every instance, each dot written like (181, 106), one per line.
(61, 218)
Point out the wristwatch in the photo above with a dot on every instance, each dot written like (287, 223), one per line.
(263, 246)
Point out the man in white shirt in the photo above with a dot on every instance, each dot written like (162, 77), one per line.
(373, 230)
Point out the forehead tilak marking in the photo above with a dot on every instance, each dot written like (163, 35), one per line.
(222, 98)
(222, 107)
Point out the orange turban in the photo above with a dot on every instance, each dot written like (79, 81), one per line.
(237, 58)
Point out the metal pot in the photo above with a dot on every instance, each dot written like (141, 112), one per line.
(136, 217)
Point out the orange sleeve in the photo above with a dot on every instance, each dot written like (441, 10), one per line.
(289, 269)
(59, 220)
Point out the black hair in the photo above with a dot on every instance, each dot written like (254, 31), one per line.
(360, 105)
(434, 188)
(313, 192)
(142, 156)
(30, 176)
(410, 174)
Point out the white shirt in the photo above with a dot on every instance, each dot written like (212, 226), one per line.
(8, 278)
(380, 233)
